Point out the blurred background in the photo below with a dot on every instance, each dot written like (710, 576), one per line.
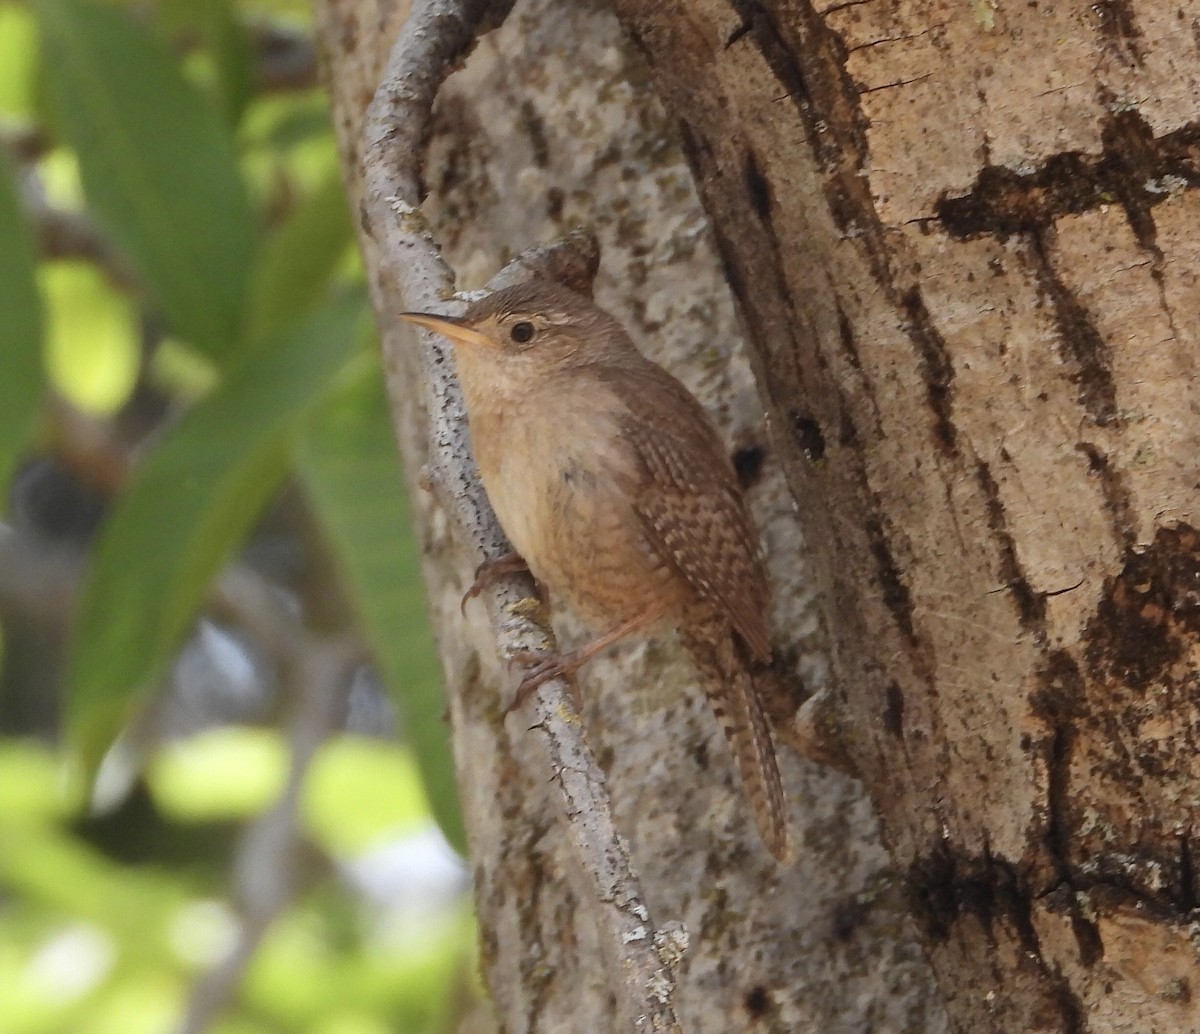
(226, 791)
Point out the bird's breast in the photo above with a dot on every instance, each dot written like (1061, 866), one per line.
(562, 480)
(549, 475)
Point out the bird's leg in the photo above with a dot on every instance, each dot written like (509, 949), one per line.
(555, 665)
(496, 567)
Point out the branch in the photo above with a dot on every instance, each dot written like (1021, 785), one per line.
(412, 275)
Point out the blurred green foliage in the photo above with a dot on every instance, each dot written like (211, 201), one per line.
(21, 327)
(178, 280)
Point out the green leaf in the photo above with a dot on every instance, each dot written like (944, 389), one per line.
(20, 332)
(18, 58)
(159, 166)
(348, 466)
(382, 781)
(189, 506)
(34, 784)
(283, 121)
(91, 347)
(225, 773)
(47, 865)
(299, 259)
(232, 54)
(298, 981)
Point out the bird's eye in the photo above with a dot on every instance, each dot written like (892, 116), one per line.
(522, 332)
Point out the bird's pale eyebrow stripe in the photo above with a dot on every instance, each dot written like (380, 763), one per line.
(537, 316)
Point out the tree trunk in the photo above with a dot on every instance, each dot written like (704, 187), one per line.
(964, 240)
(961, 236)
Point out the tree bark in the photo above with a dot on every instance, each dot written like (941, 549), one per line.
(553, 124)
(964, 240)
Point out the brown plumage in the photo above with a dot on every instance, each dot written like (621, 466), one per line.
(610, 481)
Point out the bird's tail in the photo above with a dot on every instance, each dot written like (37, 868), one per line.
(729, 683)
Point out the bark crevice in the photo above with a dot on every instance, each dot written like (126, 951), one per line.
(1030, 605)
(1134, 169)
(936, 367)
(1080, 339)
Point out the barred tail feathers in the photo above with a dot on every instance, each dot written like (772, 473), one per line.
(729, 684)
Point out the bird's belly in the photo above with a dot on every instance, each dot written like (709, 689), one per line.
(576, 529)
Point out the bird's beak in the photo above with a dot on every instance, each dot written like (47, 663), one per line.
(449, 326)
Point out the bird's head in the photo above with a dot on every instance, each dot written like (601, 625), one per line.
(532, 326)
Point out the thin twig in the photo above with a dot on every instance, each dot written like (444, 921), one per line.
(437, 35)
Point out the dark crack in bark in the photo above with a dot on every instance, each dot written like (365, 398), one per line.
(1134, 169)
(936, 368)
(1149, 614)
(1118, 501)
(1031, 605)
(946, 886)
(896, 596)
(1081, 340)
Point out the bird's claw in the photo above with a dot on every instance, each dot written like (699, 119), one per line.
(488, 572)
(544, 668)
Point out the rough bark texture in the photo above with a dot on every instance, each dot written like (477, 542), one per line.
(964, 236)
(551, 124)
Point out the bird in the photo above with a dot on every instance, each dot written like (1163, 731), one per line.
(617, 494)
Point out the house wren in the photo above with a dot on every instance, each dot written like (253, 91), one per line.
(615, 489)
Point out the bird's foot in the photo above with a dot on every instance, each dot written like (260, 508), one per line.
(544, 667)
(490, 570)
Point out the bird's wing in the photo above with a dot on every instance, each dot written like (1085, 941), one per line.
(689, 502)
